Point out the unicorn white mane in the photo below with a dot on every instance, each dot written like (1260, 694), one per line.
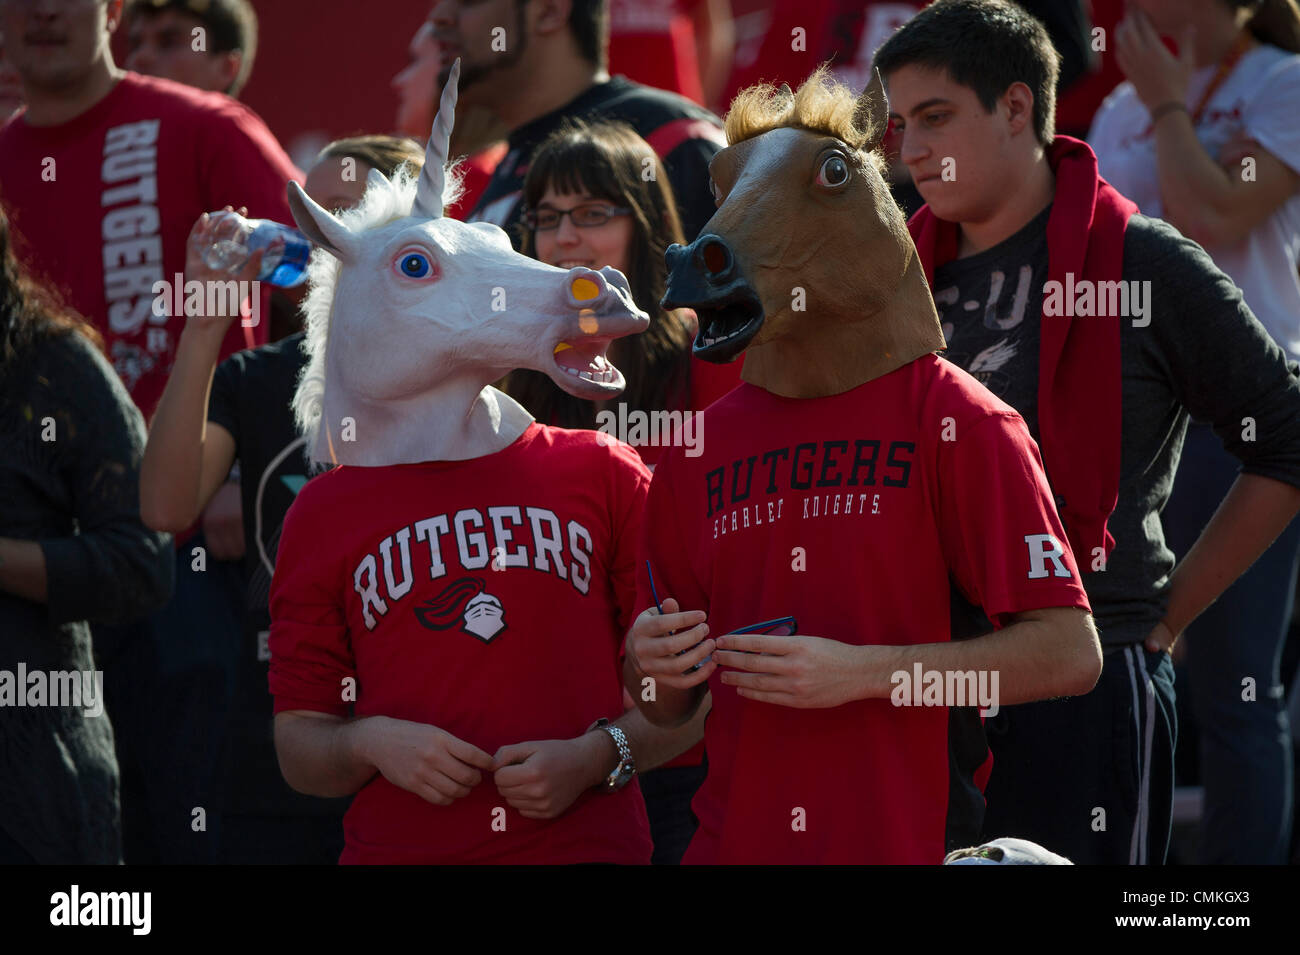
(385, 201)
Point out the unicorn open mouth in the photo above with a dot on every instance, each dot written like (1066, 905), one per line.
(603, 310)
(585, 360)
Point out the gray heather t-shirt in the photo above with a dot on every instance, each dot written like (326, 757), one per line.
(1198, 350)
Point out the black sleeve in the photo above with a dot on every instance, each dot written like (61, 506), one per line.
(223, 407)
(688, 172)
(116, 569)
(1223, 366)
(1070, 28)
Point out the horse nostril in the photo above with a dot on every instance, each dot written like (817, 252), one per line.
(716, 257)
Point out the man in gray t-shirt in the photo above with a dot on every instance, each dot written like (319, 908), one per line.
(971, 88)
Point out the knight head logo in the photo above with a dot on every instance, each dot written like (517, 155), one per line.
(467, 603)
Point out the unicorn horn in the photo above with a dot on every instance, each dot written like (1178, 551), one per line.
(428, 193)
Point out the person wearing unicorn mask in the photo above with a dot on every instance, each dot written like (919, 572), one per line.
(812, 569)
(448, 603)
(1106, 330)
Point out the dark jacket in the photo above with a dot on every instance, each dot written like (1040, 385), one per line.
(71, 442)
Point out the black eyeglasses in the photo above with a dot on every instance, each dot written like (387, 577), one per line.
(585, 216)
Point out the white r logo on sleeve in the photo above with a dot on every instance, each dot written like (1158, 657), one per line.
(1042, 548)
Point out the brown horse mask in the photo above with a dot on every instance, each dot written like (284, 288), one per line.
(807, 265)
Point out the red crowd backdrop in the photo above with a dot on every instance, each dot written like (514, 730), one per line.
(323, 69)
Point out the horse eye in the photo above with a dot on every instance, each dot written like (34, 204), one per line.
(414, 266)
(834, 172)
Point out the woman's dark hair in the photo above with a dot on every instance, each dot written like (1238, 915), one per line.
(610, 161)
(1276, 22)
(28, 311)
(384, 153)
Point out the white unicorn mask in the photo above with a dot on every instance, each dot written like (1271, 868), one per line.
(412, 315)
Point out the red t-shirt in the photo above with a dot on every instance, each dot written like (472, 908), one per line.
(478, 173)
(653, 42)
(798, 37)
(390, 576)
(855, 514)
(103, 205)
(1076, 106)
(709, 382)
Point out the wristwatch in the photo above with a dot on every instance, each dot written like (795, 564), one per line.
(626, 767)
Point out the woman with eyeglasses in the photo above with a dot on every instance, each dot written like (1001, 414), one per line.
(595, 195)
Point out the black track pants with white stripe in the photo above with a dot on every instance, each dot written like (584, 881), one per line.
(1090, 777)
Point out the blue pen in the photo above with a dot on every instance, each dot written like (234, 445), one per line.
(660, 607)
(654, 593)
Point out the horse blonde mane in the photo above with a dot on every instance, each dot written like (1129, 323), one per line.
(820, 105)
(378, 207)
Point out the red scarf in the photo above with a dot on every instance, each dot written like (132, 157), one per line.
(1079, 392)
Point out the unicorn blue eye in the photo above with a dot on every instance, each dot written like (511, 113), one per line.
(414, 265)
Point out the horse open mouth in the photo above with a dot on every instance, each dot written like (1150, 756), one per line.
(727, 326)
(584, 364)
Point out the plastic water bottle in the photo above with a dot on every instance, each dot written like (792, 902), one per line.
(284, 263)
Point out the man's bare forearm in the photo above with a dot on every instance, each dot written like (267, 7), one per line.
(323, 755)
(1254, 512)
(1191, 182)
(1044, 654)
(654, 745)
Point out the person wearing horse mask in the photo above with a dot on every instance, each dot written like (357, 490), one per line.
(1107, 330)
(449, 604)
(814, 568)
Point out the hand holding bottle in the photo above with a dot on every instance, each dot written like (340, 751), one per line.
(235, 238)
(197, 267)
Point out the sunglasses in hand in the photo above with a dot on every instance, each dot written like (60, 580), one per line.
(779, 627)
